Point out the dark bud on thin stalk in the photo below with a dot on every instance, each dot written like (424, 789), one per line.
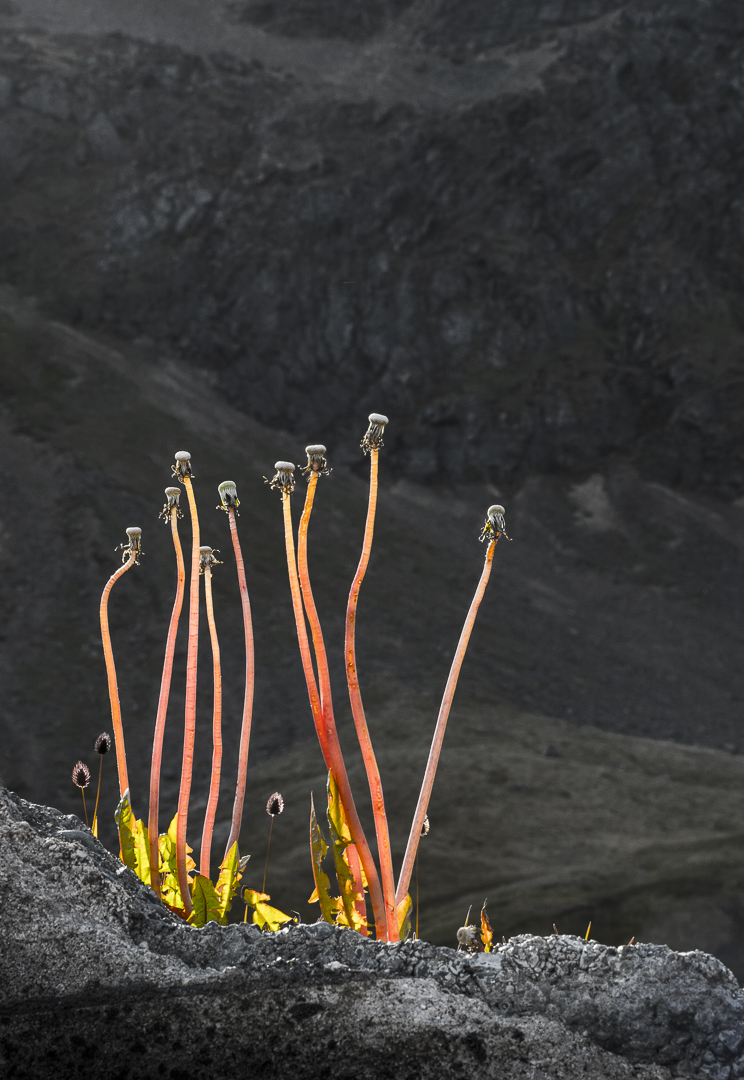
(81, 775)
(283, 478)
(182, 468)
(228, 496)
(133, 547)
(373, 438)
(316, 460)
(172, 495)
(494, 525)
(208, 557)
(103, 743)
(275, 805)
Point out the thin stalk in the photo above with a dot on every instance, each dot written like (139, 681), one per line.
(113, 687)
(98, 792)
(183, 471)
(85, 811)
(153, 826)
(436, 745)
(327, 735)
(268, 849)
(214, 784)
(245, 731)
(357, 709)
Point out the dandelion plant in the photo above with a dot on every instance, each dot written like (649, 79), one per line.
(274, 807)
(230, 503)
(371, 444)
(208, 560)
(170, 513)
(101, 747)
(284, 481)
(130, 557)
(183, 471)
(81, 779)
(493, 528)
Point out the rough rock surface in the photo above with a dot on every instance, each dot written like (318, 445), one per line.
(96, 979)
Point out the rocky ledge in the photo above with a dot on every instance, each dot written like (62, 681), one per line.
(98, 980)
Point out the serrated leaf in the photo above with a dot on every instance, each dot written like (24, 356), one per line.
(124, 819)
(486, 929)
(351, 890)
(206, 902)
(170, 891)
(329, 906)
(264, 914)
(355, 865)
(403, 914)
(231, 871)
(141, 851)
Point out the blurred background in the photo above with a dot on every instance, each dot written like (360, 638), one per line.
(515, 228)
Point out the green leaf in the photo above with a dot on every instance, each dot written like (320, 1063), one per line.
(351, 890)
(264, 914)
(124, 819)
(206, 902)
(403, 914)
(231, 871)
(486, 929)
(170, 891)
(329, 905)
(141, 851)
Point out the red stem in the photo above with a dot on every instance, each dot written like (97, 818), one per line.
(214, 785)
(327, 735)
(360, 720)
(436, 744)
(153, 826)
(245, 731)
(113, 688)
(187, 764)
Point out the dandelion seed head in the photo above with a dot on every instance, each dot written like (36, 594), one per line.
(373, 436)
(208, 558)
(81, 775)
(134, 547)
(283, 478)
(103, 743)
(172, 496)
(182, 468)
(275, 805)
(494, 525)
(316, 460)
(228, 495)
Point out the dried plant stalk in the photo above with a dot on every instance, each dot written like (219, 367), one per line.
(207, 562)
(171, 512)
(131, 556)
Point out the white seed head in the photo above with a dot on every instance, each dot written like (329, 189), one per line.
(228, 495)
(173, 493)
(182, 468)
(316, 460)
(378, 418)
(284, 466)
(496, 509)
(373, 437)
(134, 532)
(183, 455)
(205, 549)
(284, 477)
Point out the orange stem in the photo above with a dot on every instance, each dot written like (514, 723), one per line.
(214, 785)
(113, 688)
(360, 720)
(187, 764)
(327, 735)
(245, 731)
(436, 745)
(153, 826)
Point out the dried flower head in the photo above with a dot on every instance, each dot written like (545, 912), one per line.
(494, 525)
(316, 460)
(103, 743)
(283, 478)
(373, 437)
(425, 827)
(208, 557)
(275, 805)
(182, 468)
(228, 496)
(81, 775)
(133, 547)
(172, 496)
(468, 938)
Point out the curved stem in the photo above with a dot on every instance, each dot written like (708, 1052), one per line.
(360, 720)
(113, 688)
(187, 764)
(214, 784)
(268, 849)
(245, 731)
(98, 791)
(436, 744)
(327, 735)
(153, 826)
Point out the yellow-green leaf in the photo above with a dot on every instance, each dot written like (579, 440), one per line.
(124, 819)
(264, 914)
(206, 902)
(403, 914)
(486, 929)
(141, 851)
(231, 871)
(170, 890)
(94, 826)
(351, 890)
(329, 905)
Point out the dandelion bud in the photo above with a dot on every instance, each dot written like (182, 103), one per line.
(373, 438)
(81, 775)
(182, 468)
(228, 496)
(284, 479)
(494, 524)
(103, 743)
(275, 805)
(316, 460)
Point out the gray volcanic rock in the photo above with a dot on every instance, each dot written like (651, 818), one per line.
(98, 980)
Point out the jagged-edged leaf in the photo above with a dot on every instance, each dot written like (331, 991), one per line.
(350, 888)
(141, 851)
(329, 905)
(263, 913)
(486, 929)
(206, 902)
(357, 870)
(231, 871)
(124, 819)
(170, 891)
(403, 913)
